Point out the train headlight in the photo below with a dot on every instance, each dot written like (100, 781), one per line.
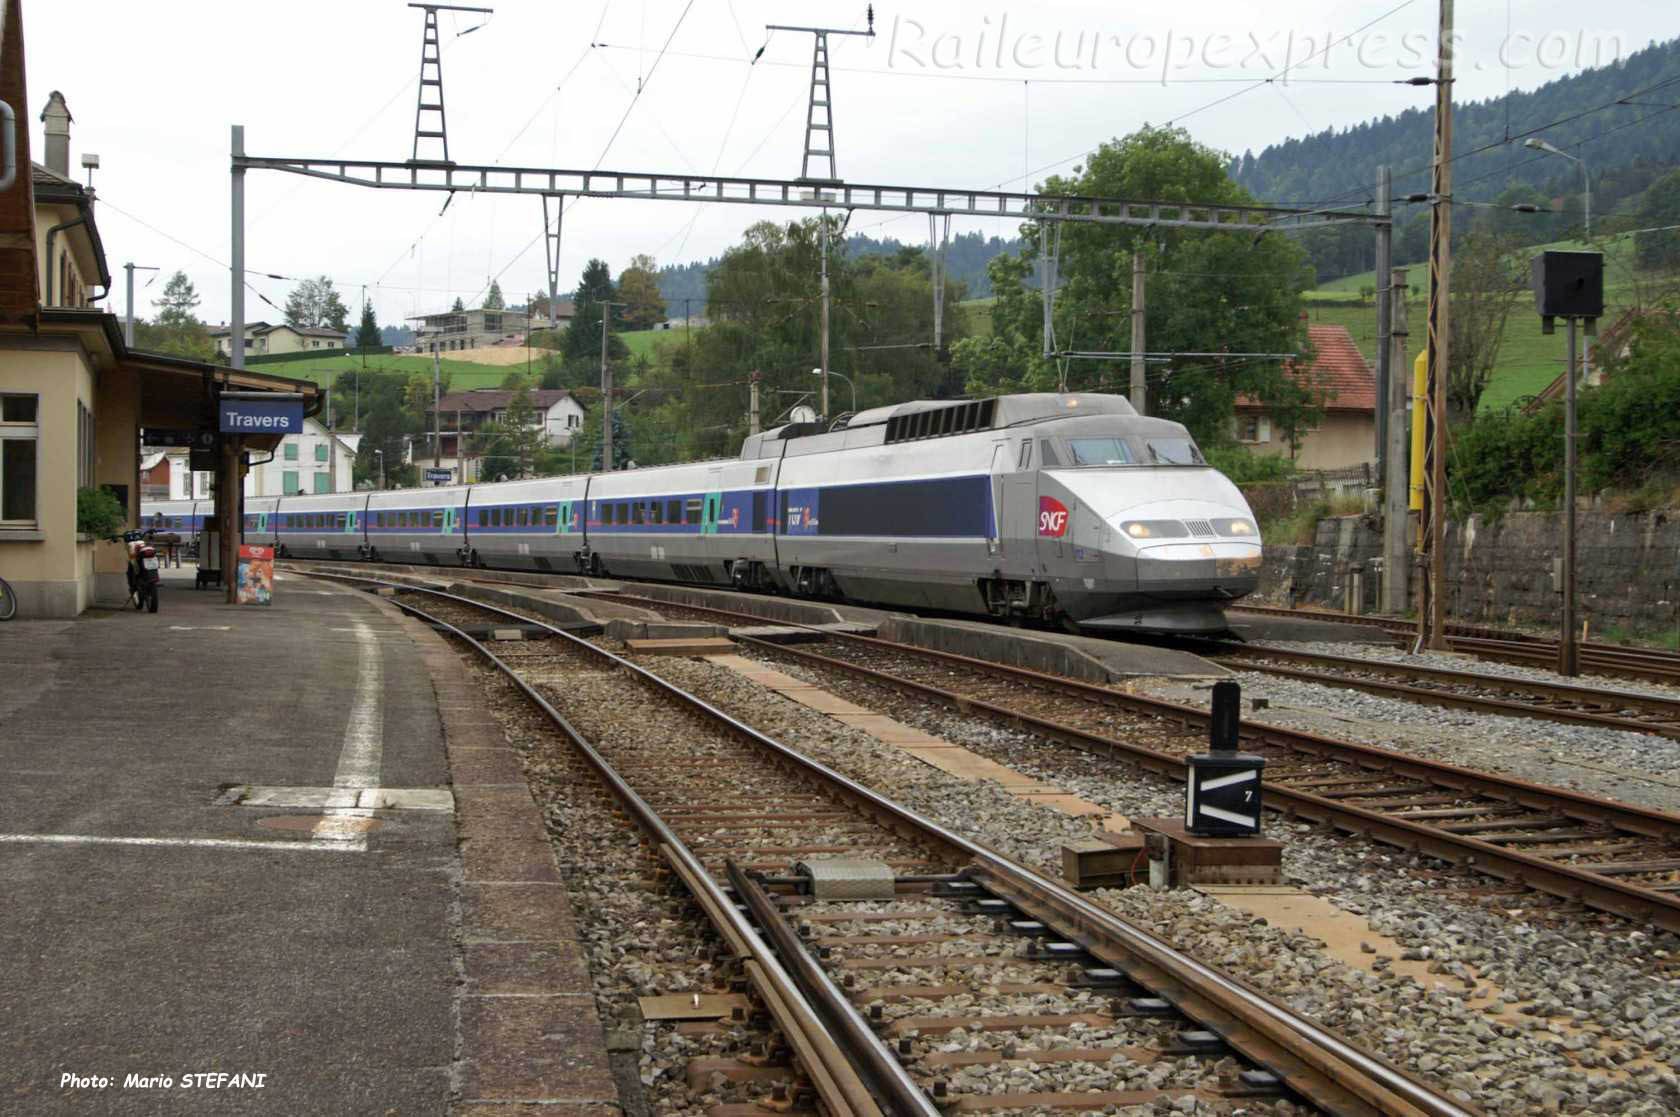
(1235, 527)
(1154, 529)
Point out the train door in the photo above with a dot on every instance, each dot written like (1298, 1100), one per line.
(1020, 523)
(712, 509)
(1000, 472)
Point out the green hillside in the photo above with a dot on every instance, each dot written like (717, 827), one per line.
(462, 374)
(1528, 360)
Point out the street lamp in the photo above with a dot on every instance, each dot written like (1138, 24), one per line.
(1538, 144)
(849, 384)
(380, 454)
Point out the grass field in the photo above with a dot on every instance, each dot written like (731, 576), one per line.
(1528, 360)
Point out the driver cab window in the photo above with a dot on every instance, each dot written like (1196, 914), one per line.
(1099, 451)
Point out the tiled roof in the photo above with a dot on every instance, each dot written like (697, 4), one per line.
(1339, 371)
(494, 399)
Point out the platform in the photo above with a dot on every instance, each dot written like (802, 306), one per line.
(229, 844)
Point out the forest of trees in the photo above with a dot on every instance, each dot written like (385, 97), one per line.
(1626, 147)
(966, 260)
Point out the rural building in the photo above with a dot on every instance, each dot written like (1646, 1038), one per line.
(554, 410)
(73, 395)
(468, 329)
(265, 340)
(1346, 437)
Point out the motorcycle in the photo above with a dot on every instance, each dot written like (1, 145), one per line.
(143, 576)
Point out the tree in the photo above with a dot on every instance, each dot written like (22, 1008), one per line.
(388, 423)
(638, 286)
(621, 455)
(583, 335)
(367, 332)
(314, 303)
(1487, 279)
(192, 340)
(1660, 248)
(459, 307)
(493, 300)
(1206, 291)
(180, 299)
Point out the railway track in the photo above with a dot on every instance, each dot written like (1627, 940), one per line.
(1464, 690)
(1504, 646)
(739, 818)
(1611, 856)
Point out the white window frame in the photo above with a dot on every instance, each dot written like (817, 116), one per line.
(30, 432)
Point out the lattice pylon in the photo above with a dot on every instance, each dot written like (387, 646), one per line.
(821, 101)
(430, 57)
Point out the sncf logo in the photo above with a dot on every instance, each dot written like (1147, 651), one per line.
(1052, 517)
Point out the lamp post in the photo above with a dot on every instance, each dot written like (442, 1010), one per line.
(842, 376)
(1538, 144)
(380, 454)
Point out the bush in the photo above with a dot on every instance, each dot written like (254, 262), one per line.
(1629, 433)
(98, 513)
(1244, 467)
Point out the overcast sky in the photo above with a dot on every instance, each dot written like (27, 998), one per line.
(946, 94)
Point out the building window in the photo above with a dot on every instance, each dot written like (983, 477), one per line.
(323, 483)
(320, 451)
(18, 434)
(84, 445)
(1253, 428)
(291, 451)
(289, 483)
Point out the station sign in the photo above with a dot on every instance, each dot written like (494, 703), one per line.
(439, 476)
(252, 416)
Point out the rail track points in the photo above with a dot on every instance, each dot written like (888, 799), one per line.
(1126, 986)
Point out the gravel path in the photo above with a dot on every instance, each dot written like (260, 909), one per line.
(1598, 1029)
(1452, 661)
(1612, 763)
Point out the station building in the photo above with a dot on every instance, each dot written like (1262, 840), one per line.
(73, 395)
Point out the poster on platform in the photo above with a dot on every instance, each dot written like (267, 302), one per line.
(255, 582)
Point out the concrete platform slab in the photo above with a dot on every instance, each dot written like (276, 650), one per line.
(171, 932)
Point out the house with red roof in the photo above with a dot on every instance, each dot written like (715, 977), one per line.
(1347, 434)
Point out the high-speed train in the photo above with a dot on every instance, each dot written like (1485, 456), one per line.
(1065, 508)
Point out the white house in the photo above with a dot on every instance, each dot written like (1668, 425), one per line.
(312, 461)
(463, 413)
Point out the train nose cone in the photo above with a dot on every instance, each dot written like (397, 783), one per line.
(1222, 569)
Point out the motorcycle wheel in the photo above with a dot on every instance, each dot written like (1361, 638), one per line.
(152, 600)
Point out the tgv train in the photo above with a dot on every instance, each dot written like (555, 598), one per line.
(1071, 509)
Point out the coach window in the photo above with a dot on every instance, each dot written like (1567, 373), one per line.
(656, 511)
(1025, 459)
(673, 511)
(692, 510)
(1047, 454)
(522, 517)
(437, 517)
(551, 515)
(623, 516)
(636, 512)
(483, 518)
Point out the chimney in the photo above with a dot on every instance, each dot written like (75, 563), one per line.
(57, 118)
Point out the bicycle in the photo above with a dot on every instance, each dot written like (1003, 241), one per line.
(8, 601)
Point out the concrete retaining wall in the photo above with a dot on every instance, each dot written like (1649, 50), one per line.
(1500, 571)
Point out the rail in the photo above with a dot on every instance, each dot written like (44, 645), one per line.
(1321, 1067)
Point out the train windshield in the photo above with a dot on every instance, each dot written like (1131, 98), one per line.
(1173, 451)
(1099, 451)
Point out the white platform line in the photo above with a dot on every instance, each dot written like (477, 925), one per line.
(364, 734)
(205, 843)
(364, 739)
